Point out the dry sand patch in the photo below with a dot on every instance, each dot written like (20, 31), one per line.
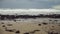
(22, 28)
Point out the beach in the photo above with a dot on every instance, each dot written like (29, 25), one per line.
(28, 27)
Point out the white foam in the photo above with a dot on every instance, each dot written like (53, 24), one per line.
(29, 11)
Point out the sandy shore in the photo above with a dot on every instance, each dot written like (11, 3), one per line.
(29, 28)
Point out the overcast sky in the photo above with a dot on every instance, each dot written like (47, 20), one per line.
(38, 4)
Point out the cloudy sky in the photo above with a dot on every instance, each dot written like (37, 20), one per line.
(38, 4)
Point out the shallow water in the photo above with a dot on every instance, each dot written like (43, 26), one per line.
(37, 20)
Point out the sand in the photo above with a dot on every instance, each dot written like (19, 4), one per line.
(29, 28)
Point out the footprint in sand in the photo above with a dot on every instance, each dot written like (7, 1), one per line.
(9, 24)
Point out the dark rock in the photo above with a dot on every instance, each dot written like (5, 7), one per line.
(2, 23)
(26, 33)
(10, 30)
(39, 24)
(3, 26)
(36, 30)
(17, 32)
(52, 26)
(45, 23)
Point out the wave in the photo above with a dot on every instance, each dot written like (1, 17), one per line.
(28, 11)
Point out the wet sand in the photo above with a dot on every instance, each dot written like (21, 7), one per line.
(29, 28)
